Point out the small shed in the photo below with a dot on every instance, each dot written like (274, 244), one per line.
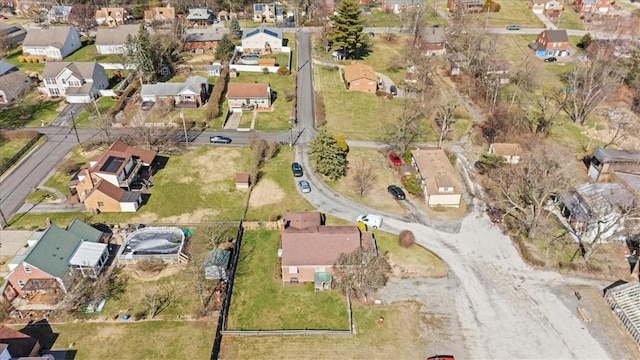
(214, 69)
(216, 263)
(242, 181)
(233, 73)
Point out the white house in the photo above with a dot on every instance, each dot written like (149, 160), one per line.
(78, 82)
(55, 42)
(262, 39)
(59, 14)
(510, 152)
(112, 40)
(191, 93)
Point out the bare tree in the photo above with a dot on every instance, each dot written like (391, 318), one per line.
(522, 191)
(404, 130)
(154, 138)
(361, 272)
(445, 115)
(624, 214)
(544, 112)
(363, 177)
(524, 78)
(159, 299)
(587, 88)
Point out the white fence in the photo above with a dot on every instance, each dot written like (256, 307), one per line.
(256, 68)
(113, 66)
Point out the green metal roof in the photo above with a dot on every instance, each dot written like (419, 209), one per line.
(322, 277)
(52, 253)
(84, 231)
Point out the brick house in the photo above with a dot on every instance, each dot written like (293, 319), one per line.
(360, 77)
(464, 5)
(17, 344)
(433, 41)
(160, 14)
(108, 16)
(311, 249)
(201, 42)
(56, 259)
(249, 96)
(440, 182)
(592, 6)
(114, 182)
(552, 43)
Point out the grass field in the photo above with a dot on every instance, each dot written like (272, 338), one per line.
(569, 20)
(135, 340)
(379, 18)
(278, 119)
(261, 302)
(276, 191)
(13, 57)
(193, 187)
(84, 118)
(29, 112)
(366, 113)
(9, 147)
(512, 12)
(415, 259)
(89, 53)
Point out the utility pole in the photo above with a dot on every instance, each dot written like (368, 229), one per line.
(184, 126)
(4, 223)
(73, 120)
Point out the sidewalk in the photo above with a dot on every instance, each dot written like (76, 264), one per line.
(546, 21)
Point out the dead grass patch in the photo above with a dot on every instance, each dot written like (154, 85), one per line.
(266, 192)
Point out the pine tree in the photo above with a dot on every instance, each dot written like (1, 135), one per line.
(327, 157)
(225, 48)
(235, 29)
(347, 34)
(139, 53)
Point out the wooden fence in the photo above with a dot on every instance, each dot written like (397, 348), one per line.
(14, 159)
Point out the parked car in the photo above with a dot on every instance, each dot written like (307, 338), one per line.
(296, 168)
(393, 90)
(513, 27)
(395, 159)
(396, 192)
(441, 357)
(218, 139)
(304, 186)
(371, 220)
(550, 59)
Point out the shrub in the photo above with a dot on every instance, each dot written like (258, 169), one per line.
(126, 94)
(215, 100)
(491, 6)
(152, 265)
(406, 239)
(274, 217)
(321, 115)
(288, 96)
(283, 71)
(265, 70)
(21, 59)
(412, 185)
(69, 167)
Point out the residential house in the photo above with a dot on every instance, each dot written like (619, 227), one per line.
(457, 62)
(311, 249)
(108, 16)
(433, 41)
(200, 16)
(242, 181)
(511, 152)
(398, 6)
(53, 43)
(59, 256)
(262, 40)
(192, 93)
(114, 181)
(465, 5)
(201, 42)
(12, 35)
(243, 96)
(552, 43)
(160, 15)
(538, 6)
(214, 69)
(59, 14)
(621, 166)
(597, 211)
(440, 182)
(268, 13)
(78, 82)
(592, 6)
(553, 5)
(18, 344)
(13, 83)
(216, 263)
(113, 39)
(360, 77)
(498, 69)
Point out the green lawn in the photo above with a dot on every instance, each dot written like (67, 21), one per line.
(136, 340)
(29, 112)
(89, 53)
(379, 18)
(416, 257)
(278, 119)
(13, 57)
(105, 104)
(261, 302)
(355, 115)
(570, 20)
(278, 187)
(10, 147)
(193, 187)
(512, 12)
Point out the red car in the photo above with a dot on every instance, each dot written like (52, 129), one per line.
(441, 357)
(395, 159)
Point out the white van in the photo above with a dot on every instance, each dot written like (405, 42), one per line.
(371, 220)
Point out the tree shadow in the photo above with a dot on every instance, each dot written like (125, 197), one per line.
(42, 331)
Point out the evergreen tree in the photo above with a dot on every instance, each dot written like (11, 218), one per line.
(235, 29)
(225, 48)
(139, 52)
(347, 33)
(327, 156)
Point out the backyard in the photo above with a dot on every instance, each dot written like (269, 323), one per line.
(258, 292)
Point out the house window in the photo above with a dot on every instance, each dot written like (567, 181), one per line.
(50, 81)
(64, 81)
(258, 7)
(54, 92)
(293, 269)
(188, 97)
(100, 204)
(27, 269)
(21, 283)
(319, 268)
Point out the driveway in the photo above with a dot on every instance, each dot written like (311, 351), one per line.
(66, 116)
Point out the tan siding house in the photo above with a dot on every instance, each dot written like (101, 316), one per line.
(441, 183)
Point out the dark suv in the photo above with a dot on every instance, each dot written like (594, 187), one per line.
(396, 192)
(296, 168)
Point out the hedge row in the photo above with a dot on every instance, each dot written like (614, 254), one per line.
(128, 92)
(215, 100)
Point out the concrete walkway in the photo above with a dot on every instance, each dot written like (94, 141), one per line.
(55, 192)
(546, 21)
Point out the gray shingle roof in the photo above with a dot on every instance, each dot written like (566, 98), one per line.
(167, 89)
(199, 14)
(557, 35)
(115, 35)
(275, 32)
(83, 70)
(205, 36)
(52, 36)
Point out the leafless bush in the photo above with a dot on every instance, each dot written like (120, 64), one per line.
(152, 265)
(321, 114)
(406, 239)
(69, 167)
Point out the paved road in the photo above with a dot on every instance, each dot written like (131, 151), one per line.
(304, 93)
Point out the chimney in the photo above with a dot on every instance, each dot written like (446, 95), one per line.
(47, 221)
